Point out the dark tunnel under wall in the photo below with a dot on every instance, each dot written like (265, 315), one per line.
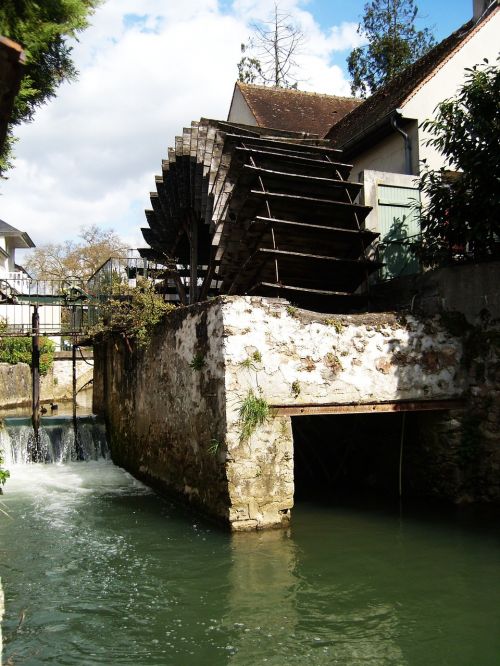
(352, 453)
(346, 454)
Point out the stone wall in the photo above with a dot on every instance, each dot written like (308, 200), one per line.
(2, 611)
(470, 289)
(166, 419)
(56, 385)
(459, 453)
(173, 410)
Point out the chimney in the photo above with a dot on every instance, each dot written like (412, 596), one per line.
(479, 7)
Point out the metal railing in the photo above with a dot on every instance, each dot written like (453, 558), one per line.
(64, 306)
(70, 307)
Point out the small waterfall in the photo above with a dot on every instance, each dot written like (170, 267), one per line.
(57, 439)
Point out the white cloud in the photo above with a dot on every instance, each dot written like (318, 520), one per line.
(345, 36)
(147, 68)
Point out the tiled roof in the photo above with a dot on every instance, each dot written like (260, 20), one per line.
(295, 110)
(8, 229)
(395, 93)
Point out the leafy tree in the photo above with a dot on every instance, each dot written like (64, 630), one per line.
(18, 350)
(393, 44)
(249, 67)
(75, 259)
(132, 312)
(4, 473)
(269, 56)
(462, 219)
(43, 29)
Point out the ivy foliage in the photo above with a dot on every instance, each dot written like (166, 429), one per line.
(4, 473)
(393, 43)
(462, 219)
(132, 311)
(44, 29)
(18, 350)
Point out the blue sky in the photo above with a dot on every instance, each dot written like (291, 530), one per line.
(147, 68)
(444, 16)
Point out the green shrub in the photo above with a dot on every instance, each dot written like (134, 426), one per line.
(18, 350)
(197, 362)
(134, 312)
(4, 473)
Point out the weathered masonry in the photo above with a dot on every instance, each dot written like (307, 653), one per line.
(173, 409)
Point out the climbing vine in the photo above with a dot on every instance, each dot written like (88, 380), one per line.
(4, 473)
(134, 312)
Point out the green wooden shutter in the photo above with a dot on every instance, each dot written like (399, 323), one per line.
(399, 221)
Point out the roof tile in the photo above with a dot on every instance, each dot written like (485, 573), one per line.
(295, 110)
(396, 92)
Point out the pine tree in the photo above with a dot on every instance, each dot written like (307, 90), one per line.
(393, 43)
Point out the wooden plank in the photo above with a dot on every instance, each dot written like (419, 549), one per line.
(366, 234)
(327, 212)
(299, 198)
(346, 168)
(367, 408)
(323, 181)
(286, 287)
(321, 257)
(287, 143)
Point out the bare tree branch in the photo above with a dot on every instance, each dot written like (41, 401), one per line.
(271, 50)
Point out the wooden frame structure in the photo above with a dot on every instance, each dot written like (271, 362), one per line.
(246, 210)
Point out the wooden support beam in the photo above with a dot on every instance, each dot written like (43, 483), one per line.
(193, 260)
(35, 454)
(367, 408)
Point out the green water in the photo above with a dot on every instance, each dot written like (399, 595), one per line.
(98, 570)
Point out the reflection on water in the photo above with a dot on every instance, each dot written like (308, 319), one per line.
(97, 569)
(262, 596)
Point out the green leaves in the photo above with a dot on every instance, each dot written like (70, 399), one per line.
(462, 220)
(18, 350)
(43, 29)
(133, 311)
(393, 43)
(254, 411)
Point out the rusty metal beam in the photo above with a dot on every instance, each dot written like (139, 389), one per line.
(367, 408)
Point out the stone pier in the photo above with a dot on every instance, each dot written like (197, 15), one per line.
(173, 409)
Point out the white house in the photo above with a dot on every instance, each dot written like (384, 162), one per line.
(18, 292)
(10, 240)
(383, 137)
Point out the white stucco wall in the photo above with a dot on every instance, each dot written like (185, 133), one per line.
(388, 155)
(10, 247)
(446, 80)
(19, 317)
(239, 111)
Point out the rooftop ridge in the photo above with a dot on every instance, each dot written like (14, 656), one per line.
(396, 92)
(294, 90)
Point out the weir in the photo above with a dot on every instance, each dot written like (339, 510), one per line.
(56, 440)
(205, 411)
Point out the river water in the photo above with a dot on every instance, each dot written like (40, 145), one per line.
(98, 569)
